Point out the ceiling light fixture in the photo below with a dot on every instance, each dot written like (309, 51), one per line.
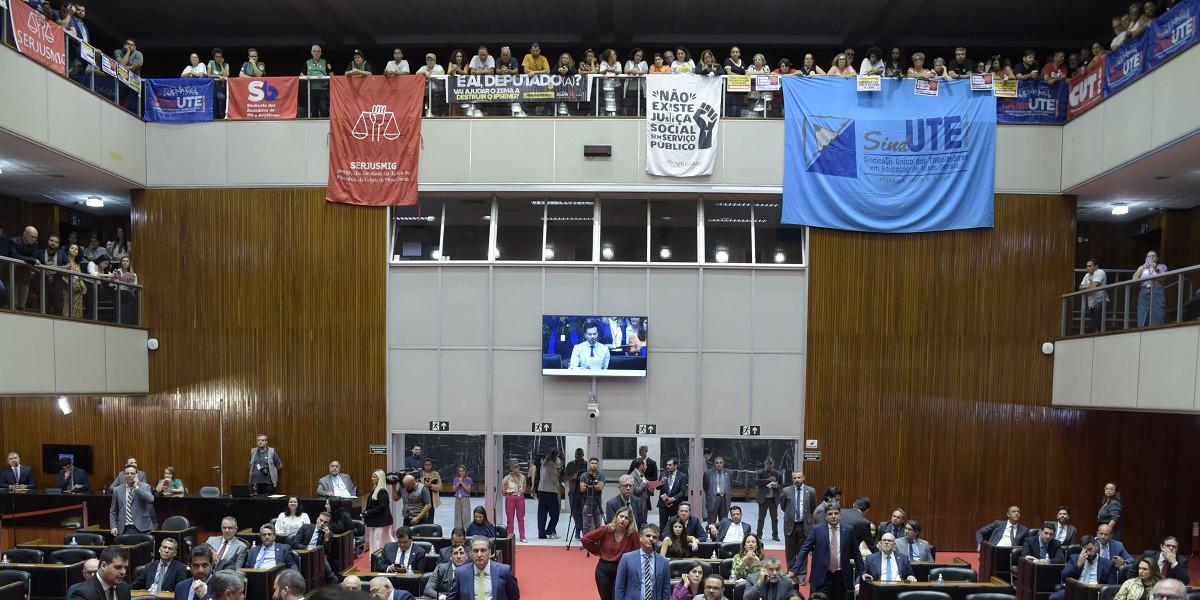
(780, 256)
(606, 253)
(64, 405)
(1120, 208)
(548, 253)
(664, 253)
(722, 255)
(95, 202)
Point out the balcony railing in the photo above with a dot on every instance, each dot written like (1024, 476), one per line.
(1164, 299)
(61, 292)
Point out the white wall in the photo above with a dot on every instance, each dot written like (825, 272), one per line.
(56, 356)
(1154, 111)
(37, 104)
(464, 345)
(1154, 370)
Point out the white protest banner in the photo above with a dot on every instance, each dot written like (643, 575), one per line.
(870, 83)
(682, 115)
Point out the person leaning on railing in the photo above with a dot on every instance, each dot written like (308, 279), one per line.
(195, 68)
(218, 70)
(75, 289)
(1152, 301)
(316, 69)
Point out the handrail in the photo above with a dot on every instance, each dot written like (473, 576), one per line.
(1142, 280)
(18, 280)
(82, 274)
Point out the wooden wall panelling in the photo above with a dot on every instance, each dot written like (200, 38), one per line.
(927, 388)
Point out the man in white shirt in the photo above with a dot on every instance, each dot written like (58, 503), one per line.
(1094, 278)
(336, 484)
(396, 66)
(590, 353)
(731, 529)
(481, 64)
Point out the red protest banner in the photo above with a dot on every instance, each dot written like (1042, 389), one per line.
(1086, 89)
(374, 139)
(262, 98)
(39, 38)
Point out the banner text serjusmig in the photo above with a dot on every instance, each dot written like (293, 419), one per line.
(683, 113)
(374, 139)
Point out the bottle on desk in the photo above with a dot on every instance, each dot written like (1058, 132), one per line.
(4, 560)
(941, 580)
(714, 555)
(73, 542)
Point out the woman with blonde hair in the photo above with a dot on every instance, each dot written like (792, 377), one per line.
(377, 514)
(841, 67)
(1140, 586)
(609, 543)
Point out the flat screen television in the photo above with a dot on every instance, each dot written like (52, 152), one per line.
(52, 454)
(594, 346)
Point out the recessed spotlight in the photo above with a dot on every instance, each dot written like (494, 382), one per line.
(722, 255)
(548, 253)
(1120, 208)
(64, 405)
(606, 253)
(436, 255)
(780, 256)
(664, 253)
(95, 202)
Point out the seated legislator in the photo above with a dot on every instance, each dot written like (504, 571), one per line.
(72, 478)
(268, 553)
(1064, 531)
(772, 584)
(1004, 532)
(1043, 548)
(691, 525)
(912, 545)
(229, 551)
(382, 589)
(441, 581)
(170, 484)
(1087, 567)
(731, 529)
(1168, 560)
(109, 581)
(315, 535)
(196, 587)
(17, 475)
(163, 574)
(458, 537)
(1111, 549)
(336, 483)
(590, 353)
(401, 556)
(90, 566)
(483, 571)
(886, 564)
(677, 545)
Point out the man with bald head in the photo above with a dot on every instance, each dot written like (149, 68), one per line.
(418, 504)
(1004, 532)
(1170, 589)
(382, 589)
(24, 248)
(352, 583)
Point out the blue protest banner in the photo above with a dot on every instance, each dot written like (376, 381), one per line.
(178, 100)
(888, 161)
(1172, 33)
(1125, 64)
(1037, 102)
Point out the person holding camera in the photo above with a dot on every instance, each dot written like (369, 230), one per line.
(591, 486)
(264, 467)
(418, 504)
(377, 514)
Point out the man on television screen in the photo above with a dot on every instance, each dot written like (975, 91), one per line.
(590, 353)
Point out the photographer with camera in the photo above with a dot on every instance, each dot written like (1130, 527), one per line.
(591, 485)
(264, 467)
(418, 503)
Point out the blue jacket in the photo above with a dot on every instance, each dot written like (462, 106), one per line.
(283, 556)
(504, 583)
(78, 477)
(1105, 573)
(630, 584)
(183, 587)
(817, 543)
(873, 566)
(1115, 549)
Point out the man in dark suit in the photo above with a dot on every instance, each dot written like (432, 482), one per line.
(886, 565)
(1064, 531)
(857, 519)
(1005, 532)
(1043, 548)
(164, 573)
(672, 491)
(72, 478)
(109, 582)
(131, 508)
(833, 546)
(718, 491)
(651, 466)
(458, 537)
(268, 554)
(482, 571)
(797, 503)
(632, 570)
(691, 525)
(90, 566)
(771, 584)
(401, 556)
(17, 474)
(314, 535)
(770, 486)
(382, 589)
(626, 498)
(196, 586)
(912, 546)
(894, 525)
(1111, 549)
(1169, 562)
(733, 524)
(1087, 567)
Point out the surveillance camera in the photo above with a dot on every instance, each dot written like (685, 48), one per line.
(593, 410)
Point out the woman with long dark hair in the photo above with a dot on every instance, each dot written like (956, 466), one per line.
(292, 519)
(480, 524)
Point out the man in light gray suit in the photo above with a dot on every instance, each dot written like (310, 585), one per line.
(911, 546)
(336, 483)
(132, 506)
(717, 492)
(797, 502)
(229, 551)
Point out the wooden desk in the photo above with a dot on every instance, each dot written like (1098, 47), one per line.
(147, 594)
(995, 561)
(139, 554)
(879, 590)
(260, 583)
(1036, 581)
(1077, 590)
(13, 591)
(408, 582)
(312, 566)
(50, 581)
(922, 568)
(341, 551)
(158, 534)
